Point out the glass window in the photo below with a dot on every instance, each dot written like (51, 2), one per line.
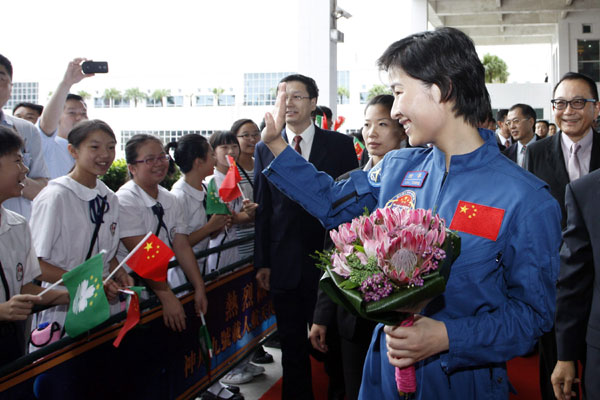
(588, 58)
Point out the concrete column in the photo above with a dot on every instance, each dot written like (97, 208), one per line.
(317, 52)
(418, 16)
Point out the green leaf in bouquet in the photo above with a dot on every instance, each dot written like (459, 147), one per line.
(348, 284)
(385, 310)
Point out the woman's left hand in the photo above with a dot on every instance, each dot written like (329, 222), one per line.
(407, 345)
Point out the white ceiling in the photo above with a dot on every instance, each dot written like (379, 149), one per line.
(495, 22)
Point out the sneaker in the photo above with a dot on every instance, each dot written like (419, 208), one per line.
(255, 370)
(237, 377)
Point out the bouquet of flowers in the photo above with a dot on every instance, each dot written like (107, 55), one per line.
(393, 259)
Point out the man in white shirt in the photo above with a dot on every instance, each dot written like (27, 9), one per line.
(33, 159)
(62, 112)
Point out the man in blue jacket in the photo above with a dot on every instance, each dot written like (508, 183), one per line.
(500, 296)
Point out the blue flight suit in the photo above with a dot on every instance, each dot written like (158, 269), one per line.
(500, 296)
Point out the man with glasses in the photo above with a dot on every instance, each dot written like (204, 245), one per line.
(287, 236)
(520, 121)
(33, 159)
(573, 152)
(62, 112)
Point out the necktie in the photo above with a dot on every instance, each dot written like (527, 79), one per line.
(98, 207)
(159, 211)
(297, 140)
(523, 150)
(573, 167)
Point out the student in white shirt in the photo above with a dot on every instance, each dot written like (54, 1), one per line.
(142, 200)
(76, 215)
(18, 261)
(196, 160)
(226, 144)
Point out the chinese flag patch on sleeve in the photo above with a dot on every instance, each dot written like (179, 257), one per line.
(477, 220)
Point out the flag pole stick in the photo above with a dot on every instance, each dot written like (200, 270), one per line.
(210, 350)
(58, 282)
(128, 256)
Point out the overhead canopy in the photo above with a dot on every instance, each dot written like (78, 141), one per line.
(496, 22)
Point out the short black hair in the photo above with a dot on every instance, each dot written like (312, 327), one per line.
(386, 100)
(220, 138)
(501, 114)
(36, 107)
(446, 58)
(5, 62)
(324, 110)
(543, 121)
(72, 96)
(526, 110)
(187, 149)
(571, 76)
(9, 140)
(83, 129)
(309, 83)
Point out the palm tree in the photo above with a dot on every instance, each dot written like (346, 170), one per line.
(218, 92)
(84, 95)
(376, 90)
(136, 95)
(342, 92)
(159, 94)
(111, 95)
(496, 70)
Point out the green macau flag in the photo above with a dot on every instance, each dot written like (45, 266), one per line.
(214, 205)
(88, 307)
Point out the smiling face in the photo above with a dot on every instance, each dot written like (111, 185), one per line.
(417, 107)
(151, 165)
(12, 175)
(73, 112)
(222, 151)
(521, 127)
(575, 123)
(298, 107)
(248, 135)
(380, 132)
(94, 155)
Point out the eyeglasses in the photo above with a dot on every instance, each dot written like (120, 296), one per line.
(154, 160)
(576, 104)
(296, 98)
(250, 135)
(515, 122)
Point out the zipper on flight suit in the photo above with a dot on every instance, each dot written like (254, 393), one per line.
(439, 195)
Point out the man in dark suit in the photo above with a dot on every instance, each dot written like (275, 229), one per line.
(575, 105)
(578, 294)
(287, 236)
(520, 120)
(502, 133)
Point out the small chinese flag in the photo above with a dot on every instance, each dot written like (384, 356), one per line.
(338, 122)
(151, 260)
(133, 314)
(359, 148)
(229, 189)
(477, 220)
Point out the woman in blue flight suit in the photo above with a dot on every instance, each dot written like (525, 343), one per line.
(500, 296)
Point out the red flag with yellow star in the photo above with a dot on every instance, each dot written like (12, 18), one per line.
(477, 220)
(150, 261)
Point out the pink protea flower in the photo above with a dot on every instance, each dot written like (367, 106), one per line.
(340, 265)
